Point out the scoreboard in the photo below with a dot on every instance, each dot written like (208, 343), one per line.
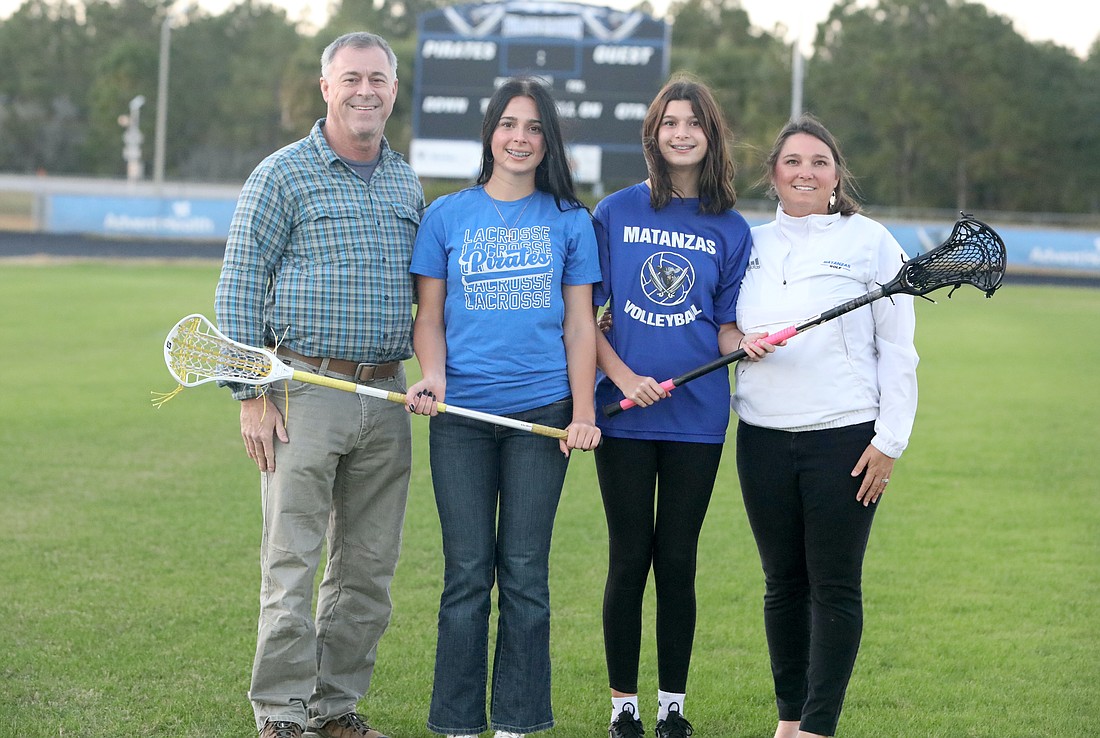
(603, 66)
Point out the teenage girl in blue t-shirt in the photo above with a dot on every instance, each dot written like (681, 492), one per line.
(673, 253)
(504, 324)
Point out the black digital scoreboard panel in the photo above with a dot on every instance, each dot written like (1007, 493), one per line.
(603, 66)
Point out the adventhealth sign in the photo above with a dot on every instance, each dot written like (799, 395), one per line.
(137, 216)
(603, 66)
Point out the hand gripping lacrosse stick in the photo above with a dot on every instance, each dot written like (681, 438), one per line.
(196, 352)
(973, 254)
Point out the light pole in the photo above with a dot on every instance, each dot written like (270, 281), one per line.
(162, 99)
(797, 74)
(131, 139)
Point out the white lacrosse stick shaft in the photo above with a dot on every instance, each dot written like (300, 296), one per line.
(196, 352)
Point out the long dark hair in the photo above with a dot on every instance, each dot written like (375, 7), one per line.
(552, 174)
(846, 190)
(716, 190)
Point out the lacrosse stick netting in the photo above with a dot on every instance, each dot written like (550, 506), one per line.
(196, 352)
(973, 254)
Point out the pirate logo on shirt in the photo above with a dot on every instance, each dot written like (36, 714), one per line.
(667, 278)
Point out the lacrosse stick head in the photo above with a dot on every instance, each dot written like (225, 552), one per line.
(973, 254)
(197, 352)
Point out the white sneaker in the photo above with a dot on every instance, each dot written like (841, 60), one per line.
(507, 734)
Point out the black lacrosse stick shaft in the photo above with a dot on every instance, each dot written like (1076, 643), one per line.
(778, 337)
(614, 408)
(973, 254)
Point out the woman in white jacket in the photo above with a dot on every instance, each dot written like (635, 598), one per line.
(821, 421)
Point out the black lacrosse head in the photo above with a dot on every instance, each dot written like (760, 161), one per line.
(973, 254)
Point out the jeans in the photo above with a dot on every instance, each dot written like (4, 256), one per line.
(497, 492)
(342, 478)
(812, 534)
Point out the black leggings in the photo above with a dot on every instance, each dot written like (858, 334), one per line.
(635, 477)
(812, 534)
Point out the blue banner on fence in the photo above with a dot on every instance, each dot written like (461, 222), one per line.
(139, 217)
(1028, 248)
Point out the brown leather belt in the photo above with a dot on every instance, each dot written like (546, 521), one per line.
(360, 372)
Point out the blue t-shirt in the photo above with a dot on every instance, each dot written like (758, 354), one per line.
(672, 277)
(504, 308)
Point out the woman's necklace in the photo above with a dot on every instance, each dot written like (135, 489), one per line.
(521, 212)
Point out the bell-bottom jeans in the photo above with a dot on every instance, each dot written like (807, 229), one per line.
(497, 492)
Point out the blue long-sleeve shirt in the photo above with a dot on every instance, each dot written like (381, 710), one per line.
(318, 260)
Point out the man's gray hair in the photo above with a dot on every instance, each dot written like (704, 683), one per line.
(357, 40)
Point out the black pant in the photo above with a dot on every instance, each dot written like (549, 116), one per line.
(811, 534)
(655, 495)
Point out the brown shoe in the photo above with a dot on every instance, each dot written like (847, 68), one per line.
(348, 726)
(280, 729)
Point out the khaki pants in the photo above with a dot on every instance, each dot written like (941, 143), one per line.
(342, 479)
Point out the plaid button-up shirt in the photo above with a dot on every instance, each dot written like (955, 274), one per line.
(318, 260)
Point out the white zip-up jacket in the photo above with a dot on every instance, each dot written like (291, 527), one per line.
(859, 367)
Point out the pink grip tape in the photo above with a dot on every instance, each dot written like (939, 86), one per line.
(780, 336)
(626, 404)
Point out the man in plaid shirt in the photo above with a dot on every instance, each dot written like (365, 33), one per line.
(317, 265)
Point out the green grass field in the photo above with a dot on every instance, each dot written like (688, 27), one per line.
(128, 555)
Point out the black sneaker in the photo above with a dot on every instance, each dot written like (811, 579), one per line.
(674, 725)
(626, 725)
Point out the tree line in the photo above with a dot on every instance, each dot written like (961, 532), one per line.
(938, 103)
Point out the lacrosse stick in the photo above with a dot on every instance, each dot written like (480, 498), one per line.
(973, 254)
(197, 352)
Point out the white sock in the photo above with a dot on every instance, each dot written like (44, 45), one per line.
(618, 704)
(665, 700)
